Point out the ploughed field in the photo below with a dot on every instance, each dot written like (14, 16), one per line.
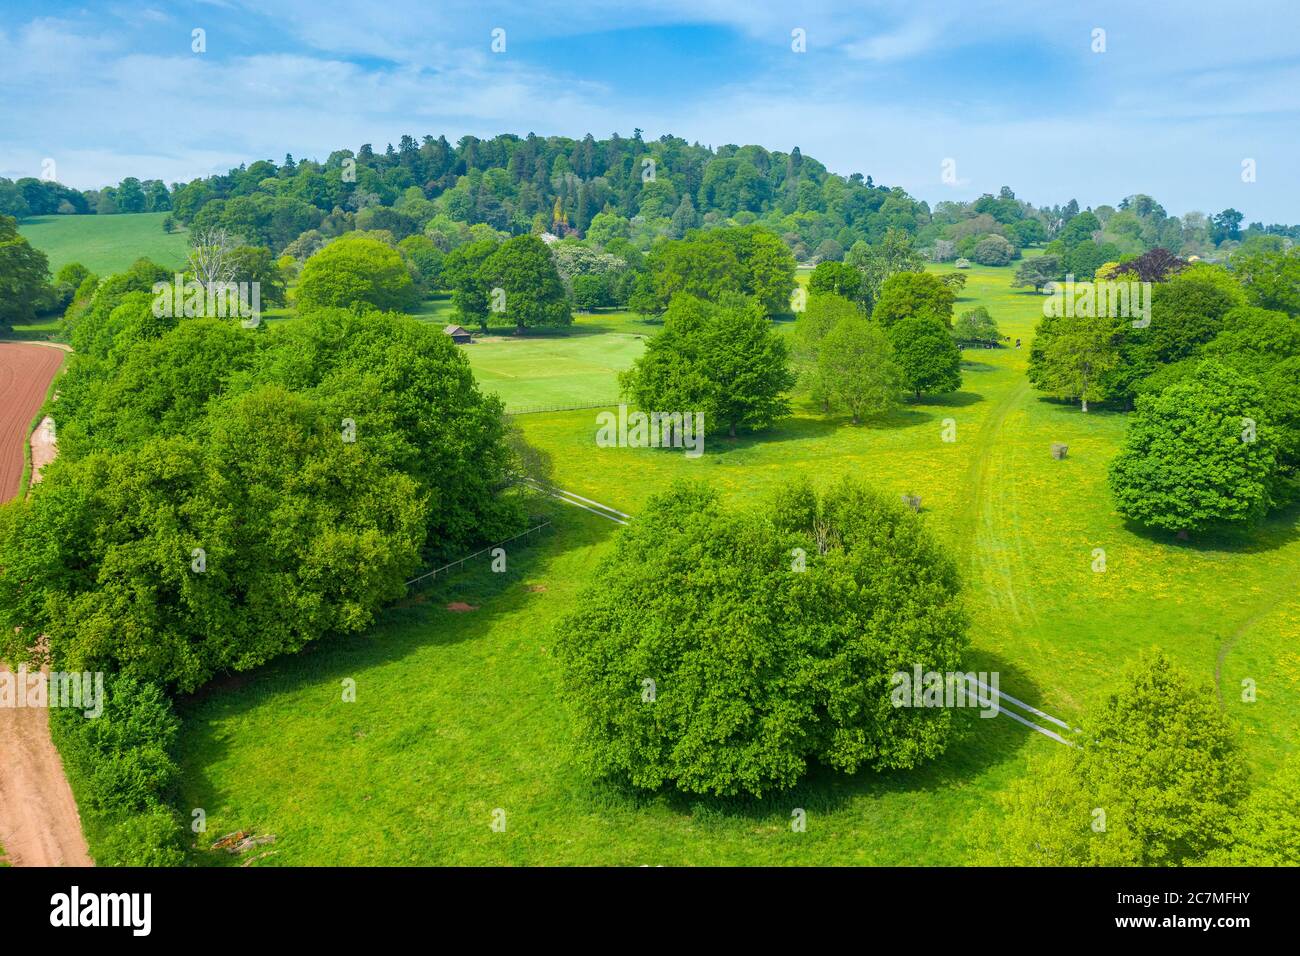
(25, 374)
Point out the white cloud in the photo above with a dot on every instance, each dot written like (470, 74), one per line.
(1170, 108)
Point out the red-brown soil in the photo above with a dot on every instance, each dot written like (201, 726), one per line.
(26, 370)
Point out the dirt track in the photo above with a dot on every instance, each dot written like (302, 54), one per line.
(26, 371)
(39, 823)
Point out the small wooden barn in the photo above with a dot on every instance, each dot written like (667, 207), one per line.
(459, 335)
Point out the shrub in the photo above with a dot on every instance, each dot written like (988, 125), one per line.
(153, 837)
(993, 251)
(122, 769)
(123, 756)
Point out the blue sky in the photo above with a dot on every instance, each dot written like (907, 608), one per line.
(1012, 92)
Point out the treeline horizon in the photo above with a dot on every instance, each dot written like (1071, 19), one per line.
(665, 186)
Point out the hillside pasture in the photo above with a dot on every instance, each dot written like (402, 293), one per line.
(106, 244)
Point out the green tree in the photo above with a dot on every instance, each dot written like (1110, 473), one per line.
(909, 295)
(24, 275)
(976, 326)
(317, 465)
(1076, 354)
(747, 362)
(1192, 458)
(1187, 311)
(605, 227)
(856, 368)
(531, 290)
(1037, 272)
(758, 670)
(823, 312)
(1153, 782)
(462, 272)
(590, 292)
(767, 266)
(993, 250)
(684, 219)
(1265, 828)
(835, 278)
(356, 272)
(927, 354)
(424, 259)
(895, 254)
(1271, 279)
(748, 260)
(723, 359)
(254, 264)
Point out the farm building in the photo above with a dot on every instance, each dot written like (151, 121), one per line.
(459, 335)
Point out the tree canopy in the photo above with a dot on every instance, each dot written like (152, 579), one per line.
(315, 465)
(699, 658)
(914, 295)
(723, 359)
(927, 354)
(356, 271)
(1198, 454)
(1153, 783)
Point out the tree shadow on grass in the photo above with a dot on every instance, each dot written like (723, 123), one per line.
(1275, 531)
(645, 328)
(979, 744)
(960, 399)
(1095, 410)
(811, 426)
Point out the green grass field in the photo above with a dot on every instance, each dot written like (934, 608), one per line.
(106, 244)
(545, 369)
(458, 714)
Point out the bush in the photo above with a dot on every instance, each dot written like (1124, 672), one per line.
(122, 769)
(123, 756)
(154, 837)
(759, 669)
(993, 251)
